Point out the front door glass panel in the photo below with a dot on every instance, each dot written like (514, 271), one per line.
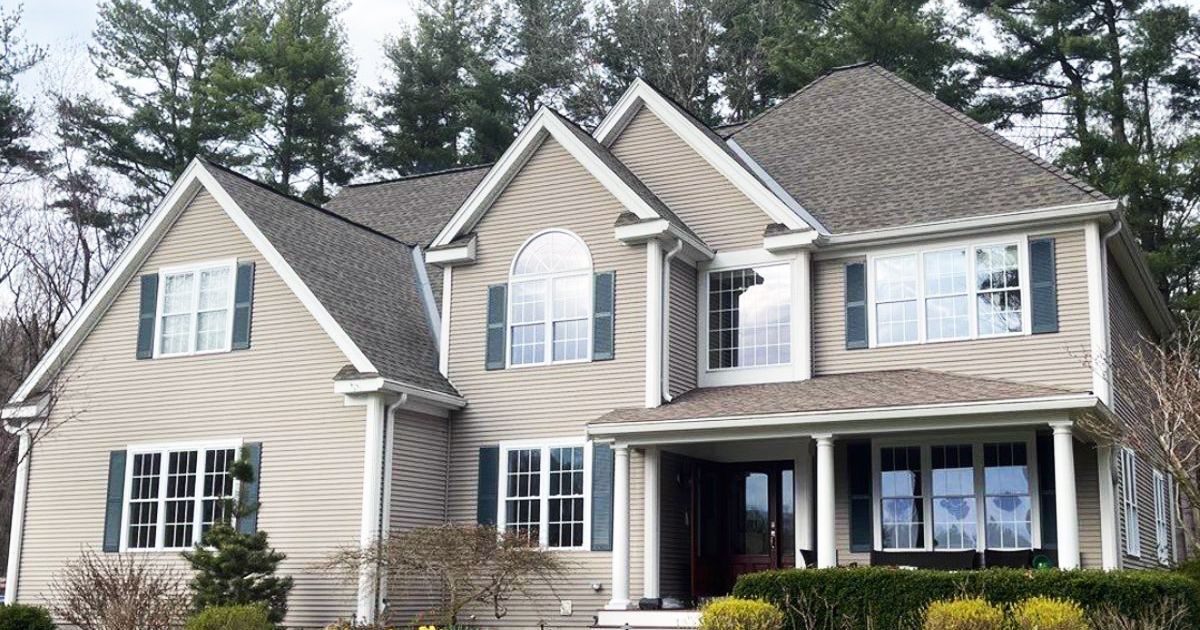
(753, 520)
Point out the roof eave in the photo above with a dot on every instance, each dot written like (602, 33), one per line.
(368, 384)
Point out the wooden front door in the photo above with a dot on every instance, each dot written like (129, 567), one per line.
(745, 522)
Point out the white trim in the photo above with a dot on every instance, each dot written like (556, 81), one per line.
(195, 270)
(1129, 494)
(620, 547)
(1110, 555)
(444, 337)
(1097, 317)
(164, 449)
(651, 519)
(654, 325)
(633, 233)
(1065, 496)
(370, 384)
(194, 177)
(453, 254)
(371, 512)
(426, 289)
(826, 503)
(802, 316)
(29, 411)
(544, 123)
(548, 320)
(16, 535)
(641, 93)
(778, 243)
(1162, 527)
(544, 445)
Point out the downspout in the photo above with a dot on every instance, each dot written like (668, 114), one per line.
(17, 531)
(385, 499)
(666, 318)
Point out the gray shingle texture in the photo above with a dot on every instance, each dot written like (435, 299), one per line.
(411, 209)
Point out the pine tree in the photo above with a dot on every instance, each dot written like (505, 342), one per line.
(162, 60)
(234, 568)
(16, 118)
(541, 44)
(297, 86)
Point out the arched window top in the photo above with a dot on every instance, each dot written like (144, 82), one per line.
(552, 252)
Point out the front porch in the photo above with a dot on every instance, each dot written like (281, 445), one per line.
(699, 502)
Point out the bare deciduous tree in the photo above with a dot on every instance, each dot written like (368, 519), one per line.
(119, 592)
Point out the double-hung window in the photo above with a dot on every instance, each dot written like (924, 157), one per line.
(902, 506)
(1009, 503)
(195, 309)
(947, 293)
(1162, 530)
(954, 513)
(1129, 491)
(550, 308)
(175, 495)
(545, 491)
(749, 316)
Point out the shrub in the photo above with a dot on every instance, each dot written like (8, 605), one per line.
(964, 614)
(892, 598)
(119, 592)
(731, 613)
(251, 617)
(1047, 613)
(22, 617)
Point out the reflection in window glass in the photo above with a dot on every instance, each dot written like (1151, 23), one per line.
(566, 497)
(954, 524)
(522, 505)
(998, 293)
(754, 515)
(896, 299)
(749, 317)
(946, 295)
(1008, 508)
(901, 497)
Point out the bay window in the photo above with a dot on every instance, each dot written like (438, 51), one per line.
(545, 492)
(956, 495)
(749, 317)
(175, 495)
(949, 293)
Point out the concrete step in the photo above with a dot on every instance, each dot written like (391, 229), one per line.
(647, 619)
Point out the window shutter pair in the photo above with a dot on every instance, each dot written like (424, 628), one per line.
(115, 500)
(243, 300)
(603, 334)
(488, 499)
(1042, 283)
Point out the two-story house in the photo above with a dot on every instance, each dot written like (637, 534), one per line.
(856, 329)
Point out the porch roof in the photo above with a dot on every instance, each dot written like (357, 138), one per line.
(835, 392)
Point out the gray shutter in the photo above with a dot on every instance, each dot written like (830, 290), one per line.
(1043, 287)
(856, 305)
(1046, 498)
(497, 311)
(115, 501)
(858, 465)
(248, 497)
(146, 311)
(602, 497)
(486, 498)
(243, 305)
(603, 304)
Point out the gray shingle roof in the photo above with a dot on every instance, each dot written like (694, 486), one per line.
(862, 149)
(411, 209)
(837, 392)
(364, 278)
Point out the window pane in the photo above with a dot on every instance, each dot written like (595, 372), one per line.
(996, 267)
(528, 302)
(528, 344)
(750, 317)
(214, 289)
(1009, 511)
(896, 322)
(522, 505)
(572, 297)
(571, 340)
(177, 294)
(566, 497)
(946, 272)
(176, 330)
(180, 505)
(210, 330)
(953, 472)
(901, 501)
(218, 487)
(999, 312)
(946, 317)
(552, 252)
(896, 278)
(143, 501)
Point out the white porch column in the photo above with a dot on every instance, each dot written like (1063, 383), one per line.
(1110, 552)
(1067, 509)
(620, 547)
(372, 499)
(826, 543)
(651, 464)
(802, 495)
(17, 532)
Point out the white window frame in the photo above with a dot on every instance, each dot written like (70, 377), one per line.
(1162, 536)
(164, 449)
(976, 441)
(1129, 492)
(195, 270)
(970, 246)
(544, 487)
(548, 320)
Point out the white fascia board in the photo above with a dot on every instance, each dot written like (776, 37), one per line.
(662, 229)
(372, 384)
(28, 411)
(788, 241)
(544, 123)
(464, 253)
(194, 177)
(752, 187)
(1051, 214)
(1133, 265)
(829, 420)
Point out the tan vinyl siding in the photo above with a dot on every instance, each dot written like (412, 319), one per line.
(1053, 359)
(420, 447)
(684, 342)
(705, 200)
(279, 392)
(552, 401)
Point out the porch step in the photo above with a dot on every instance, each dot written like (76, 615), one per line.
(647, 619)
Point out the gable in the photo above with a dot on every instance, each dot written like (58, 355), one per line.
(703, 198)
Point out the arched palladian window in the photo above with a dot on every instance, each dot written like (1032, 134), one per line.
(550, 300)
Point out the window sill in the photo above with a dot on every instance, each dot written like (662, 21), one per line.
(201, 353)
(927, 342)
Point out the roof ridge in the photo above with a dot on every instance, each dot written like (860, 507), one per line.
(750, 122)
(404, 178)
(305, 203)
(984, 130)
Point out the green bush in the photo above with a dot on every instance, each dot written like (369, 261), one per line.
(249, 617)
(1047, 613)
(22, 617)
(731, 613)
(893, 598)
(964, 614)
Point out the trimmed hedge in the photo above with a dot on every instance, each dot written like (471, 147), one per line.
(894, 598)
(22, 617)
(242, 617)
